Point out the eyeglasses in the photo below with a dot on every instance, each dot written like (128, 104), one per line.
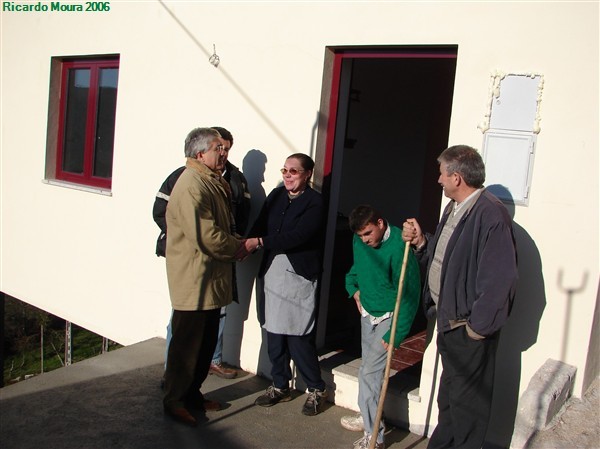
(221, 148)
(291, 171)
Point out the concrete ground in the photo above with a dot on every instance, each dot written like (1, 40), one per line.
(577, 426)
(114, 401)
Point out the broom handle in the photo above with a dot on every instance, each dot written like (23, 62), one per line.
(390, 350)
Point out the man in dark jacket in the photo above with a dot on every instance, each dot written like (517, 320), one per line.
(240, 198)
(470, 283)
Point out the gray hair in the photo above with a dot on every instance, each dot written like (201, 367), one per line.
(465, 161)
(199, 140)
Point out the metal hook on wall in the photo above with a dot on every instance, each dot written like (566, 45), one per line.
(214, 58)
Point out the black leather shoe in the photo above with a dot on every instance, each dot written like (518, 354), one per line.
(181, 414)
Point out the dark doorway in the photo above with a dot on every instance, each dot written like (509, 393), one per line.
(388, 120)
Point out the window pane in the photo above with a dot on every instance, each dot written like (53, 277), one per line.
(75, 119)
(105, 123)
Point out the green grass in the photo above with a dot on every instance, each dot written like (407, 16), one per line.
(84, 344)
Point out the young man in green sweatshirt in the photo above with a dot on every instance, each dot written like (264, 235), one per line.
(373, 283)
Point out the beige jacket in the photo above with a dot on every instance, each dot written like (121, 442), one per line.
(200, 246)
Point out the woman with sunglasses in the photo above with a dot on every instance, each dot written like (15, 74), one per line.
(290, 230)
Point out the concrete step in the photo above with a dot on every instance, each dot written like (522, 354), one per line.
(340, 372)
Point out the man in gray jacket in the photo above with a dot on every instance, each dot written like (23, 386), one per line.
(200, 250)
(471, 275)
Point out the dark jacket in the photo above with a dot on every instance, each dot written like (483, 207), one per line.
(240, 197)
(294, 228)
(159, 210)
(479, 271)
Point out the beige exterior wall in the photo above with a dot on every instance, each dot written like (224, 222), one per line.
(89, 258)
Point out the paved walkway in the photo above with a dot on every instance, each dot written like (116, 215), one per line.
(576, 427)
(114, 401)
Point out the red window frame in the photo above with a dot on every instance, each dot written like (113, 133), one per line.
(87, 177)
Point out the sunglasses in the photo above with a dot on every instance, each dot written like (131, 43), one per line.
(291, 171)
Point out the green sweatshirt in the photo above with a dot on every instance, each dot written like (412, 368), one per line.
(376, 272)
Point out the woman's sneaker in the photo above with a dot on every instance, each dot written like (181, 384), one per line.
(314, 402)
(273, 396)
(354, 423)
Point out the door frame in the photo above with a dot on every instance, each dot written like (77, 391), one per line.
(332, 120)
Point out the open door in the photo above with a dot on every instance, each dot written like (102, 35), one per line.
(386, 112)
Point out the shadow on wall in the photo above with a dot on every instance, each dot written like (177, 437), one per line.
(519, 334)
(233, 83)
(253, 168)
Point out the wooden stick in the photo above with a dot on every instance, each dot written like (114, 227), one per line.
(390, 350)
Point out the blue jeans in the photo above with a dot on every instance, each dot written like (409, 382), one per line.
(218, 355)
(371, 371)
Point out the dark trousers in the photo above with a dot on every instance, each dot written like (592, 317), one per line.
(465, 393)
(302, 350)
(190, 353)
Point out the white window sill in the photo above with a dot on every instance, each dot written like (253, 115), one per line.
(70, 185)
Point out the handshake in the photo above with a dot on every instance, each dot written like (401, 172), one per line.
(247, 247)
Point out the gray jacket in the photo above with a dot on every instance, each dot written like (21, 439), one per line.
(479, 270)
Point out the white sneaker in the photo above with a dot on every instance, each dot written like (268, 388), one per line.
(363, 443)
(354, 423)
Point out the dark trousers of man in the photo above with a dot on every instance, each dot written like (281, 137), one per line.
(465, 393)
(299, 348)
(190, 353)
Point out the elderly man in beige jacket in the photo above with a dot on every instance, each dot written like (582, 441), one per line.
(201, 249)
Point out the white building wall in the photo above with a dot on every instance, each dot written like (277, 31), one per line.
(89, 258)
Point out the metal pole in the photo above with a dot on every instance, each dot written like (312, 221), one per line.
(68, 337)
(41, 348)
(2, 300)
